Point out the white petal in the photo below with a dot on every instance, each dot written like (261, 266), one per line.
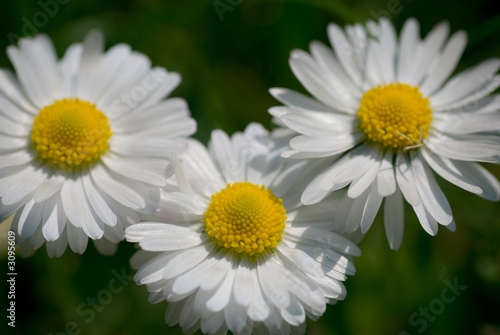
(77, 209)
(432, 197)
(104, 246)
(20, 185)
(48, 188)
(12, 90)
(370, 209)
(447, 169)
(343, 88)
(466, 147)
(214, 324)
(16, 159)
(39, 52)
(243, 283)
(259, 310)
(93, 45)
(428, 52)
(330, 145)
(314, 193)
(296, 99)
(221, 148)
(168, 113)
(386, 179)
(11, 128)
(362, 183)
(152, 270)
(478, 175)
(151, 171)
(235, 316)
(307, 71)
(116, 190)
(467, 123)
(386, 51)
(473, 100)
(126, 82)
(177, 239)
(406, 181)
(139, 146)
(221, 297)
(188, 318)
(447, 62)
(409, 44)
(319, 123)
(353, 165)
(58, 247)
(344, 52)
(105, 67)
(77, 239)
(426, 220)
(54, 220)
(185, 260)
(394, 219)
(98, 203)
(27, 76)
(29, 218)
(159, 83)
(465, 83)
(69, 69)
(191, 280)
(11, 144)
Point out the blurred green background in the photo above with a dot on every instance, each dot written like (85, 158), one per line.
(228, 63)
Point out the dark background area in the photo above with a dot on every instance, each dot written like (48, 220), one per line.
(228, 62)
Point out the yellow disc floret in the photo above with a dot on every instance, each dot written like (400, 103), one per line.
(395, 115)
(70, 134)
(245, 218)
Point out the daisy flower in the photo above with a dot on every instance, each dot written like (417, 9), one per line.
(84, 141)
(234, 249)
(386, 116)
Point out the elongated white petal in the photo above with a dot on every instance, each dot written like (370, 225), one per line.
(386, 179)
(54, 220)
(447, 169)
(432, 197)
(394, 219)
(408, 47)
(406, 180)
(446, 64)
(295, 99)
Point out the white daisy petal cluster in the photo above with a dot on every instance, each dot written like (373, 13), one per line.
(233, 248)
(84, 141)
(386, 115)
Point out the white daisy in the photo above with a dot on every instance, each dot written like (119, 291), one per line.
(84, 141)
(237, 251)
(385, 115)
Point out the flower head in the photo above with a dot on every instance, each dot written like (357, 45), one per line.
(84, 141)
(233, 249)
(385, 116)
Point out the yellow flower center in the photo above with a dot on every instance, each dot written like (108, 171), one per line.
(245, 218)
(70, 134)
(395, 115)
